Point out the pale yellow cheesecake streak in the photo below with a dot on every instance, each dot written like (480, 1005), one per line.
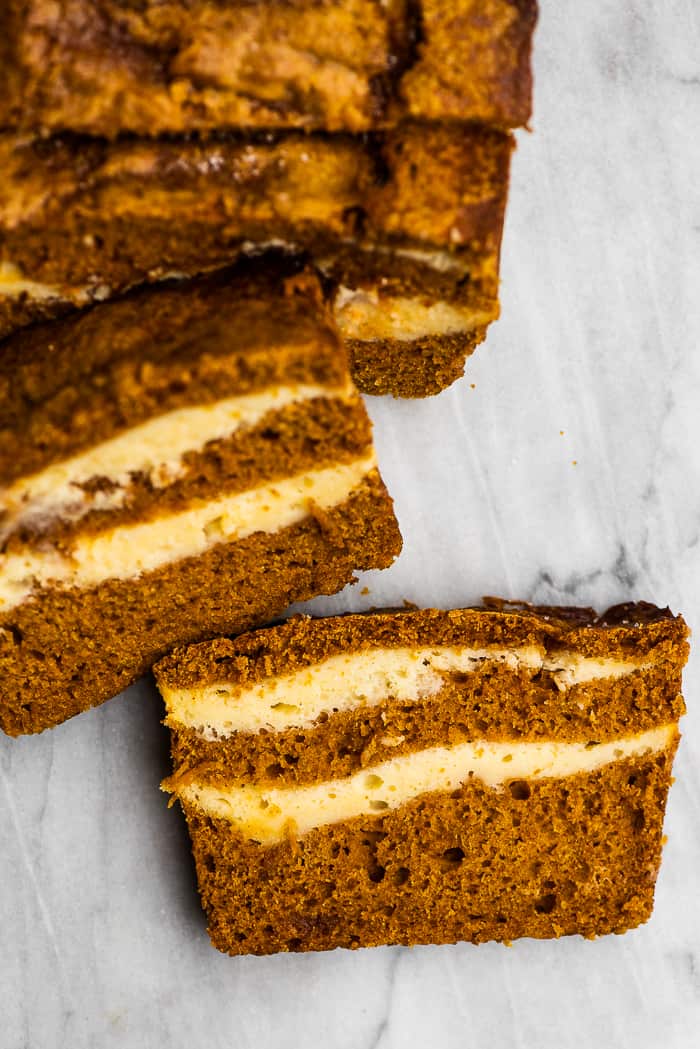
(269, 814)
(365, 315)
(14, 283)
(364, 678)
(126, 551)
(156, 448)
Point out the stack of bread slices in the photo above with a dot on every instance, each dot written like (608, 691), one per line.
(220, 220)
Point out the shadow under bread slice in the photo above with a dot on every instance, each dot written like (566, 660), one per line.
(102, 67)
(183, 462)
(427, 776)
(81, 220)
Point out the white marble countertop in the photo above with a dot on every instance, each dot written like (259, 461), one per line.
(565, 467)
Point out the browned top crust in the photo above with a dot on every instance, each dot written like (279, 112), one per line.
(624, 631)
(168, 66)
(64, 385)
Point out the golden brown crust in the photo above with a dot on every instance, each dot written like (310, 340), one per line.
(104, 67)
(67, 650)
(548, 858)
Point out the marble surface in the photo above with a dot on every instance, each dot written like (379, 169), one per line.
(564, 467)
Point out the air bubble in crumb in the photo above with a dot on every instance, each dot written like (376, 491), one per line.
(215, 528)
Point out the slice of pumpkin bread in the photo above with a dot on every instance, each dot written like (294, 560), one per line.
(149, 67)
(183, 462)
(427, 776)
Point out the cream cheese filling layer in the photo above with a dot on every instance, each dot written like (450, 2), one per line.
(363, 679)
(365, 315)
(440, 261)
(127, 551)
(155, 448)
(270, 814)
(13, 284)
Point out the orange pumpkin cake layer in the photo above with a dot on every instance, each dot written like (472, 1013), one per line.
(185, 461)
(427, 776)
